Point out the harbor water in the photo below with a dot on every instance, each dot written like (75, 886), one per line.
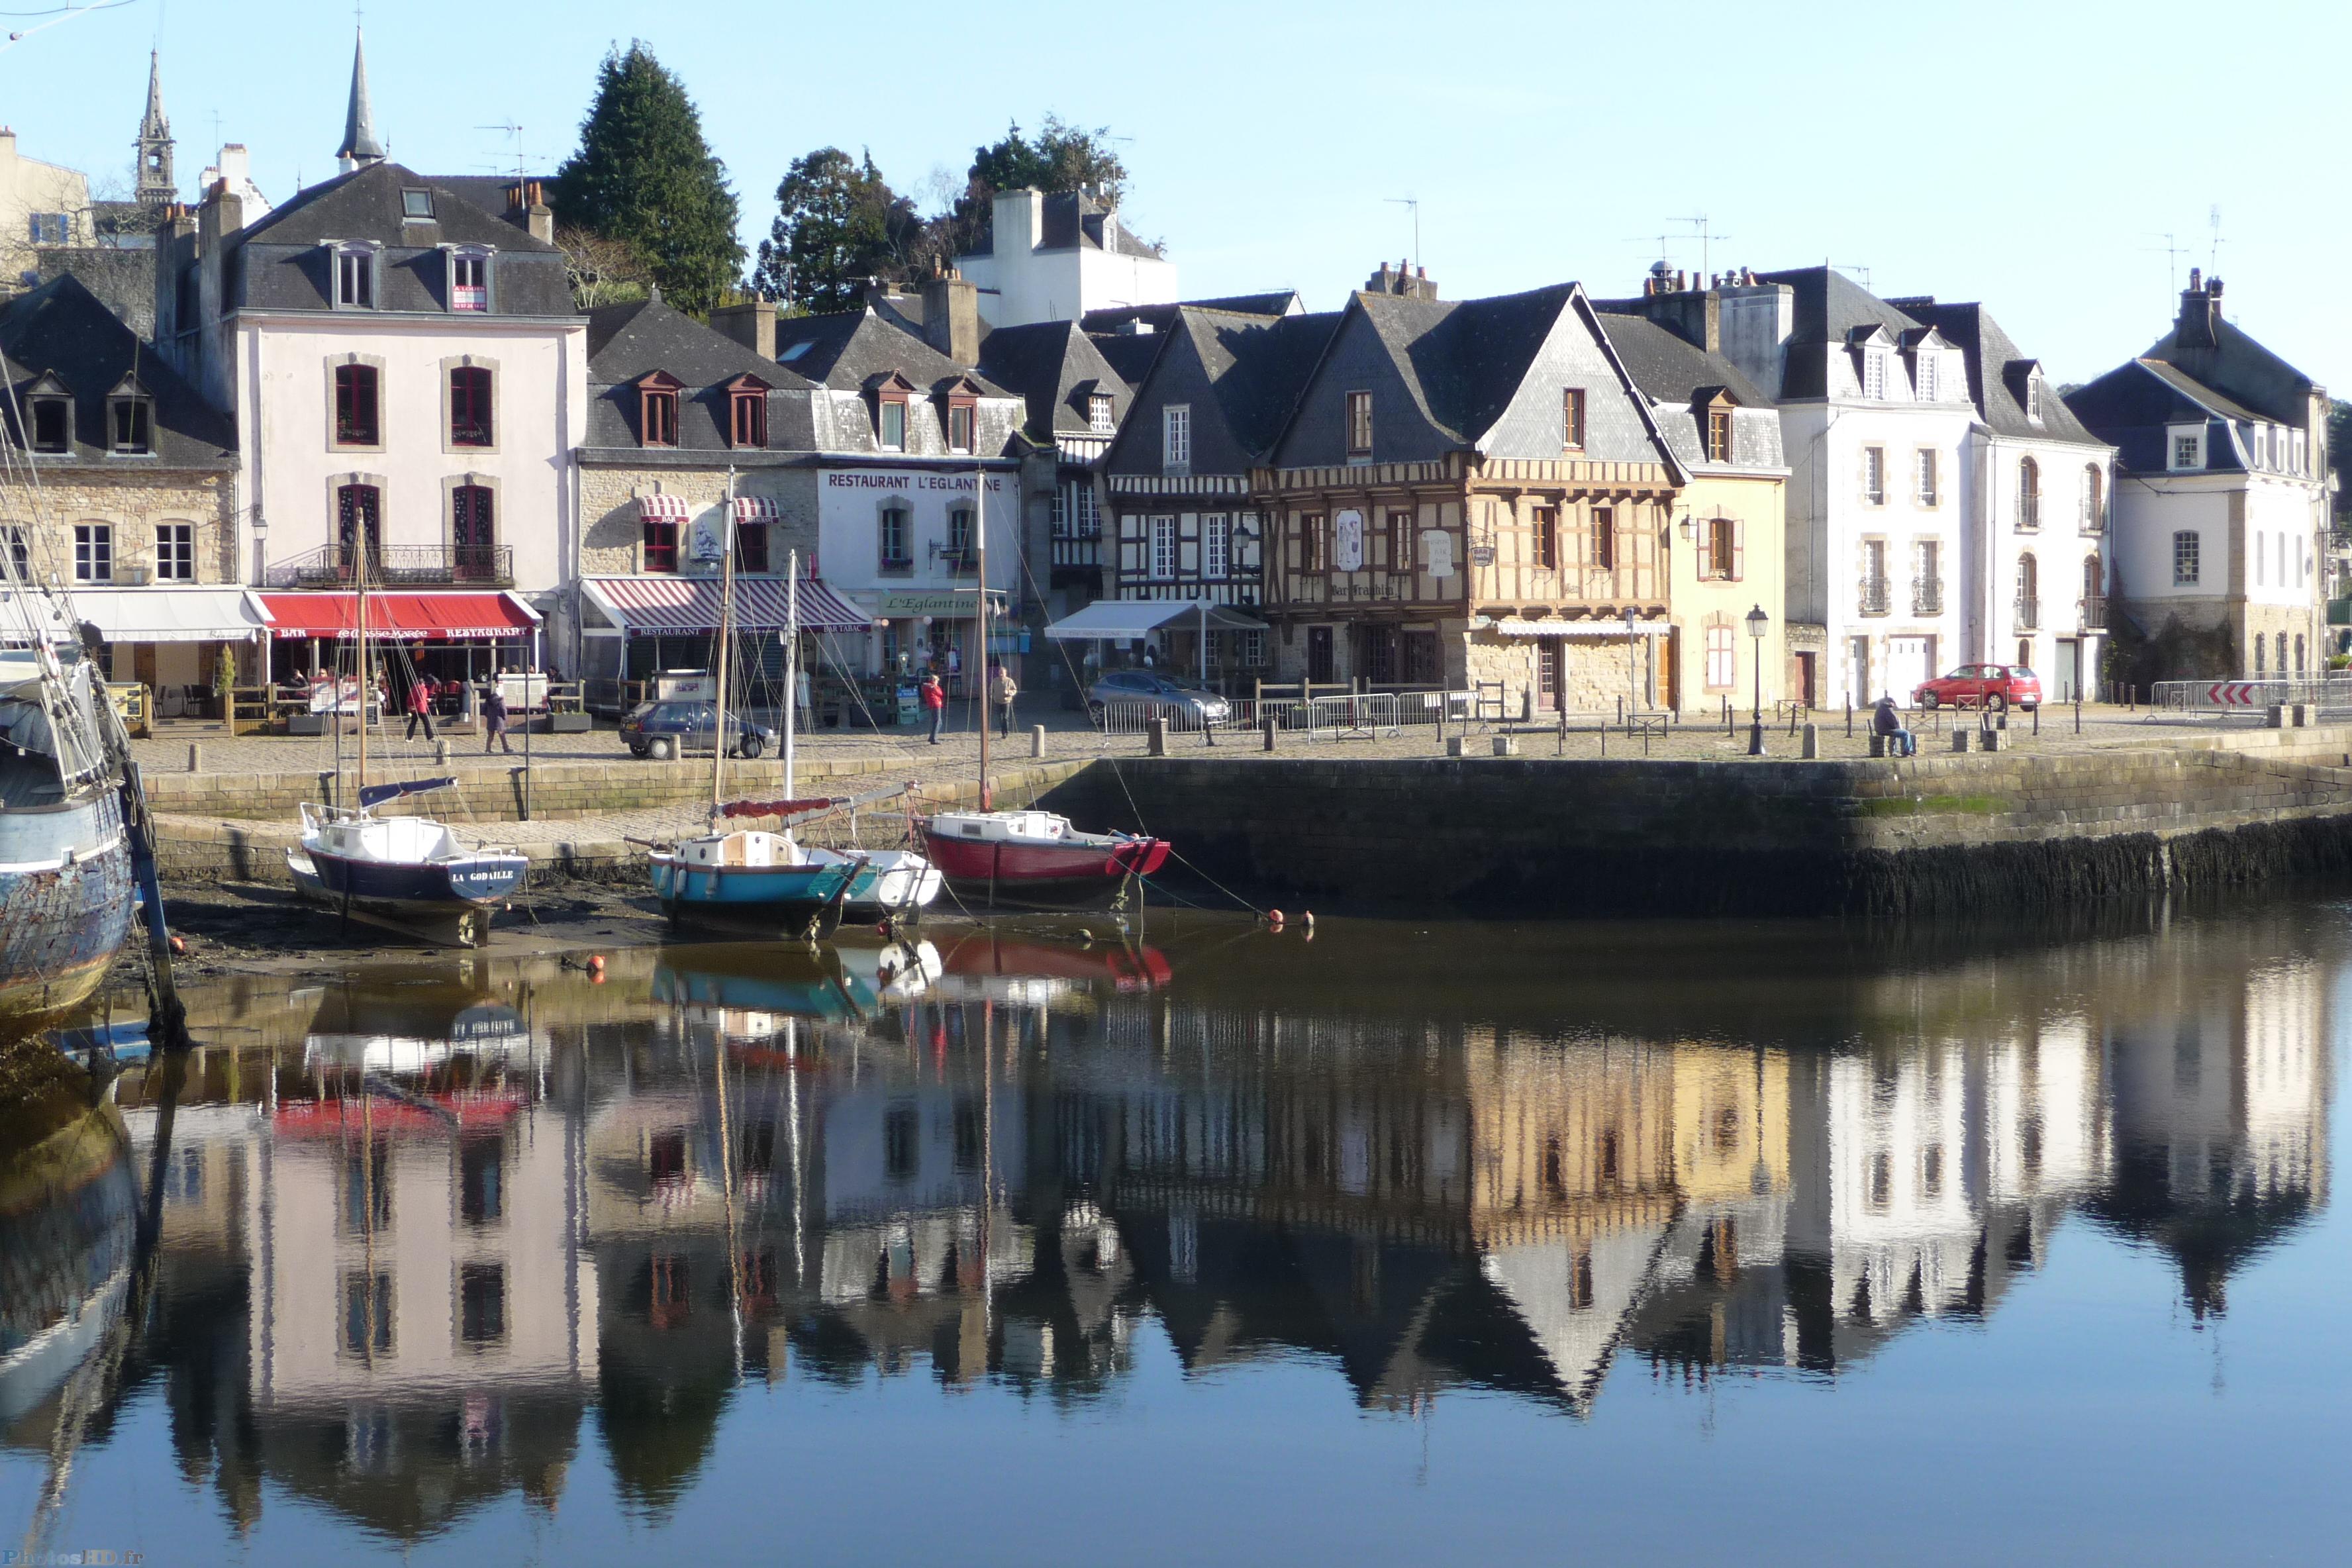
(1380, 1242)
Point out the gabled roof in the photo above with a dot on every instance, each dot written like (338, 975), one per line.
(1129, 354)
(1056, 368)
(61, 329)
(2201, 397)
(845, 350)
(1257, 366)
(1671, 369)
(1275, 302)
(366, 205)
(2234, 366)
(1464, 361)
(1999, 396)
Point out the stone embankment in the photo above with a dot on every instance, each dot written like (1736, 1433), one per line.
(1932, 837)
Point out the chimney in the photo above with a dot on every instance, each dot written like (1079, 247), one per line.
(951, 316)
(2200, 313)
(1016, 221)
(752, 322)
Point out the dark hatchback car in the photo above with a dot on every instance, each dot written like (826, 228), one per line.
(666, 729)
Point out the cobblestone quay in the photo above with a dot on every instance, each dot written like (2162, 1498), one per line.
(1933, 836)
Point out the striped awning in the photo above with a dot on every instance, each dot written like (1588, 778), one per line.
(754, 509)
(658, 606)
(1598, 629)
(664, 508)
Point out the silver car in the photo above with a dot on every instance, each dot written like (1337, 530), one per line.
(1146, 694)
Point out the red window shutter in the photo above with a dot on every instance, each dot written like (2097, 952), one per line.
(1738, 549)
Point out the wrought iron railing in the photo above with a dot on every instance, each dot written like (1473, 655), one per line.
(2028, 615)
(1877, 596)
(400, 565)
(2095, 613)
(1927, 596)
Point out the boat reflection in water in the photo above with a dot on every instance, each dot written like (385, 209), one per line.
(429, 1246)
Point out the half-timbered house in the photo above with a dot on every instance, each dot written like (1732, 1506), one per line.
(1471, 493)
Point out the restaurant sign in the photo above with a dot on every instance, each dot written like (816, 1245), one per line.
(953, 605)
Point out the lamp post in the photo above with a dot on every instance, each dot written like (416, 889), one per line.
(1757, 622)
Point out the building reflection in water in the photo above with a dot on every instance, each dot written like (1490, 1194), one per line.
(416, 1237)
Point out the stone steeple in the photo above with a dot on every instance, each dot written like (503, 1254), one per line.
(156, 188)
(360, 146)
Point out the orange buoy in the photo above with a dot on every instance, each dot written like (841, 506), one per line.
(595, 964)
(179, 943)
(1274, 918)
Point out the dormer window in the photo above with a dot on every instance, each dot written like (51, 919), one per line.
(2033, 399)
(747, 411)
(1719, 435)
(1360, 426)
(469, 281)
(1873, 374)
(658, 410)
(355, 276)
(1098, 414)
(416, 205)
(1176, 439)
(959, 414)
(129, 419)
(1571, 419)
(891, 392)
(2188, 449)
(1924, 381)
(50, 408)
(894, 424)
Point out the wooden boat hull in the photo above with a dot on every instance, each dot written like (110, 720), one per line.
(1009, 875)
(64, 906)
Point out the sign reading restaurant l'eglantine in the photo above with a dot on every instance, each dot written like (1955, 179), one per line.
(909, 479)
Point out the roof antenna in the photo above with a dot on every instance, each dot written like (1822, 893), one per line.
(1414, 202)
(1705, 265)
(2172, 252)
(2213, 260)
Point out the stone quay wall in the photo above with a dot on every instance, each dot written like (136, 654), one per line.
(1930, 838)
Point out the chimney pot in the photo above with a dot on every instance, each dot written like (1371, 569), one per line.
(2196, 280)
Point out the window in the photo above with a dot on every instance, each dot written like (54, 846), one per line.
(960, 550)
(93, 552)
(482, 1179)
(1722, 656)
(1098, 414)
(481, 1304)
(175, 552)
(747, 415)
(1176, 437)
(893, 423)
(52, 229)
(359, 520)
(1927, 579)
(1164, 549)
(658, 412)
(1572, 419)
(417, 204)
(1216, 545)
(2188, 449)
(898, 526)
(1875, 598)
(2262, 648)
(2184, 559)
(2262, 446)
(1926, 476)
(2028, 494)
(1873, 374)
(129, 425)
(1544, 523)
(1314, 543)
(2033, 399)
(367, 1313)
(1927, 378)
(358, 421)
(355, 277)
(1360, 426)
(751, 547)
(473, 533)
(1603, 552)
(469, 406)
(1400, 542)
(469, 281)
(1721, 559)
(1873, 475)
(20, 549)
(52, 423)
(1719, 435)
(1090, 510)
(959, 427)
(660, 543)
(2094, 500)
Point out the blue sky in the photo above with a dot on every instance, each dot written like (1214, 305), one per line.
(2033, 156)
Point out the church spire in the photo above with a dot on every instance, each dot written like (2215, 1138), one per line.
(155, 184)
(360, 146)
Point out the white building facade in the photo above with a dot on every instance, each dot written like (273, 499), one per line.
(1055, 258)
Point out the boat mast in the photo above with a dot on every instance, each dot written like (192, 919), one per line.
(792, 659)
(726, 643)
(980, 616)
(360, 530)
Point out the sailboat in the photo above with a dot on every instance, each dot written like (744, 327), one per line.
(735, 876)
(412, 873)
(1026, 859)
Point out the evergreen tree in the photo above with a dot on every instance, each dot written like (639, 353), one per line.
(837, 224)
(643, 176)
(1061, 158)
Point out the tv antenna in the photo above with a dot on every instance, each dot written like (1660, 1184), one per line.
(2213, 259)
(2172, 251)
(1861, 273)
(1414, 204)
(514, 132)
(1698, 225)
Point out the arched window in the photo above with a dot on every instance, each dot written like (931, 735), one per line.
(469, 406)
(2261, 650)
(358, 405)
(358, 517)
(2029, 593)
(2298, 653)
(473, 534)
(2028, 493)
(2094, 499)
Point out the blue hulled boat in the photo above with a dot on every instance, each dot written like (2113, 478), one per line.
(751, 878)
(413, 872)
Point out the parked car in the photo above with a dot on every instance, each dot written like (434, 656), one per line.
(1977, 685)
(1151, 695)
(665, 730)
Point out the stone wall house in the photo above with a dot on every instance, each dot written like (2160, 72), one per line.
(136, 508)
(2221, 505)
(1472, 493)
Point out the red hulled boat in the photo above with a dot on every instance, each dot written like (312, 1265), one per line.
(1034, 860)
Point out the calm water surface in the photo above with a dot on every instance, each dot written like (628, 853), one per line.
(1407, 1244)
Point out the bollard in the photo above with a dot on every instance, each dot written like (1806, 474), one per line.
(1992, 739)
(1960, 738)
(440, 754)
(2078, 712)
(1156, 738)
(1849, 718)
(1877, 744)
(1812, 742)
(1037, 740)
(1507, 745)
(2037, 718)
(1455, 745)
(195, 758)
(1267, 725)
(2274, 716)
(1621, 709)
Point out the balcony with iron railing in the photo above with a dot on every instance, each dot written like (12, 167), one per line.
(1877, 596)
(2093, 520)
(2028, 615)
(400, 566)
(1927, 596)
(2095, 613)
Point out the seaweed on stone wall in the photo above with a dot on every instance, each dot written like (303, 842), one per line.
(2176, 652)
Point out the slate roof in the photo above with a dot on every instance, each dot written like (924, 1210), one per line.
(61, 328)
(1258, 366)
(281, 262)
(487, 191)
(1058, 368)
(2199, 396)
(1670, 368)
(1996, 382)
(1464, 359)
(1072, 220)
(1827, 306)
(1278, 303)
(628, 342)
(845, 350)
(2134, 406)
(2237, 367)
(1129, 354)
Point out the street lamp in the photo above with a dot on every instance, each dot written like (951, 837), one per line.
(1757, 623)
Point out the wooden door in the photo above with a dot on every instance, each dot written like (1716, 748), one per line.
(1319, 656)
(1806, 692)
(1550, 661)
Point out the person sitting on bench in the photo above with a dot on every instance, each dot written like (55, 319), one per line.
(1884, 721)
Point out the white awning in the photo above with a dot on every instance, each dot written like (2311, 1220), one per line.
(1124, 620)
(170, 614)
(1604, 631)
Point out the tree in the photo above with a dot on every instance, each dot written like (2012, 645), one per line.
(2339, 458)
(601, 271)
(1061, 158)
(644, 177)
(837, 224)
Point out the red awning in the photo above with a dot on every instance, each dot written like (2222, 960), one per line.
(664, 508)
(400, 617)
(658, 605)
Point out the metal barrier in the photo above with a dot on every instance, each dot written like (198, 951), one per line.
(1357, 715)
(2247, 699)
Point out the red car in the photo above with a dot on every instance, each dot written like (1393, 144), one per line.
(1977, 685)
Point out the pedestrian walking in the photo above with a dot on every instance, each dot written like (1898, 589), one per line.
(494, 717)
(420, 707)
(1002, 692)
(934, 699)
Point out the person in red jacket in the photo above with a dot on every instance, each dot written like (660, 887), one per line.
(934, 699)
(420, 707)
